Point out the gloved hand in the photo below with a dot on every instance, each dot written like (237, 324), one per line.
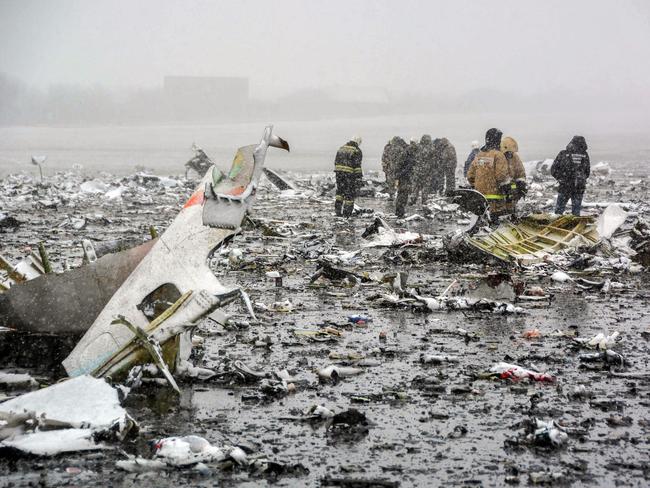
(522, 188)
(504, 189)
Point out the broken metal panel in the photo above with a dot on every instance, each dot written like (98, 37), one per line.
(72, 415)
(45, 305)
(213, 213)
(27, 269)
(280, 182)
(81, 402)
(227, 200)
(13, 274)
(53, 442)
(470, 201)
(90, 256)
(610, 220)
(200, 162)
(535, 237)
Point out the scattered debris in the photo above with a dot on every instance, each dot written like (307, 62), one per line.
(334, 372)
(600, 341)
(535, 238)
(549, 294)
(547, 434)
(17, 381)
(199, 163)
(506, 371)
(81, 409)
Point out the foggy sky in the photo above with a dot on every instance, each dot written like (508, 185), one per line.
(593, 46)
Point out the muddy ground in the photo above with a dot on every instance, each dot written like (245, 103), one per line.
(427, 425)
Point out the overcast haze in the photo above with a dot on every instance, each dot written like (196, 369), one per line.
(85, 81)
(592, 46)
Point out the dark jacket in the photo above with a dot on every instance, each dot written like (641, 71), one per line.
(394, 153)
(572, 167)
(425, 167)
(468, 163)
(348, 159)
(404, 171)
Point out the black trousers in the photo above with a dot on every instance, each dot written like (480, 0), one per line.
(403, 190)
(346, 190)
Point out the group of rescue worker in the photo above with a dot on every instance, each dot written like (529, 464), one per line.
(419, 169)
(428, 166)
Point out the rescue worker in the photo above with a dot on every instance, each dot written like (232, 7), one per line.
(404, 174)
(571, 169)
(347, 167)
(517, 172)
(488, 173)
(393, 154)
(470, 157)
(448, 163)
(437, 178)
(424, 170)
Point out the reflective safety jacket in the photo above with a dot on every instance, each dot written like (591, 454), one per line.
(348, 160)
(516, 170)
(488, 172)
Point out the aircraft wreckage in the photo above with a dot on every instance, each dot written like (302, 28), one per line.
(138, 305)
(530, 239)
(535, 237)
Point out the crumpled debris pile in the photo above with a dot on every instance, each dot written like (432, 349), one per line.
(78, 414)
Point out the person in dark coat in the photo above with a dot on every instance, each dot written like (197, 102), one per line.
(571, 169)
(347, 168)
(393, 154)
(424, 171)
(403, 175)
(448, 162)
(470, 157)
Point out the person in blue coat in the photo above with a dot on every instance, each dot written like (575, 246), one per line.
(470, 158)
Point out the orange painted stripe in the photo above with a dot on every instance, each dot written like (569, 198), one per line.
(238, 190)
(197, 198)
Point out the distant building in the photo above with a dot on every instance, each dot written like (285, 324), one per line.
(206, 98)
